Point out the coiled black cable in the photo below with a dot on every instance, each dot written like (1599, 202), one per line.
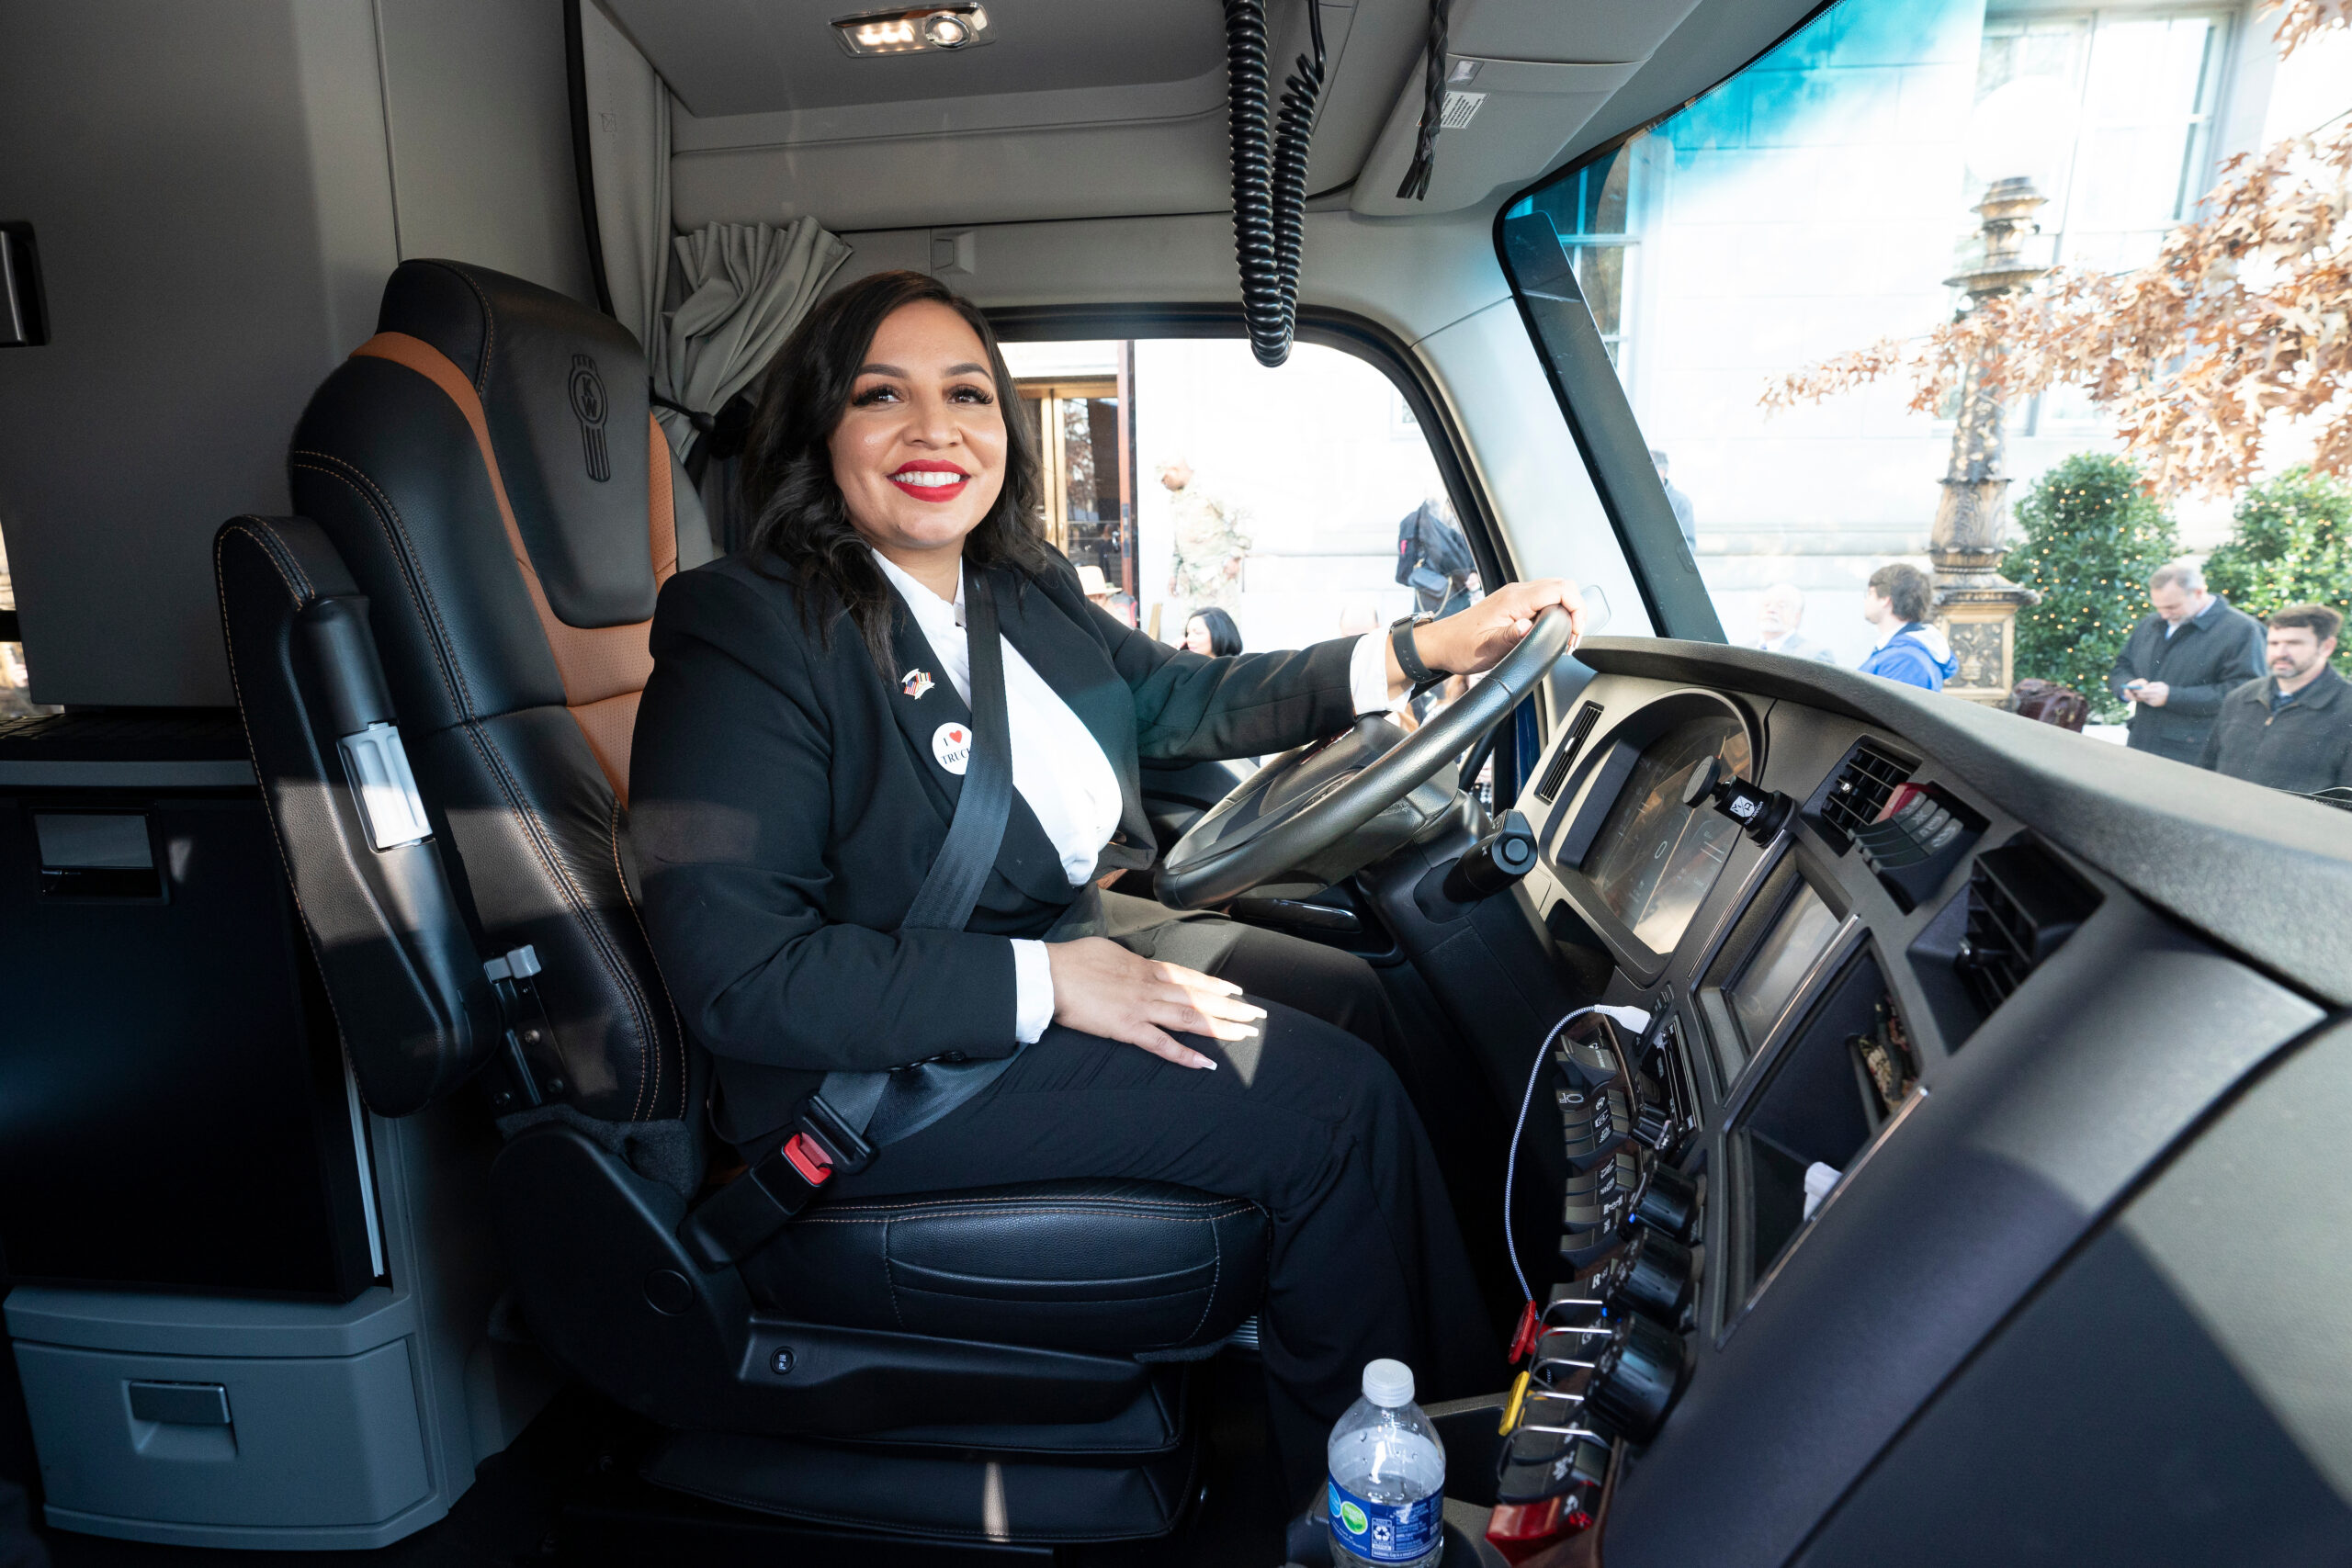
(1416, 175)
(1254, 244)
(1295, 131)
(1269, 173)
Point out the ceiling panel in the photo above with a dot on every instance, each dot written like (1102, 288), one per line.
(732, 57)
(1089, 108)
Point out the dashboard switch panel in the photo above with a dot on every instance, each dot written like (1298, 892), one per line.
(1637, 1379)
(1654, 1275)
(1669, 1201)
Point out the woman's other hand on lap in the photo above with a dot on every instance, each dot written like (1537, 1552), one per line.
(1101, 988)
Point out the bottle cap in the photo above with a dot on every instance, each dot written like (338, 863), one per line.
(1388, 1383)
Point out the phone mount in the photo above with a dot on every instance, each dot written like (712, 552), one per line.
(1762, 812)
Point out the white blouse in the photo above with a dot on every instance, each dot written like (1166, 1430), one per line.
(1058, 766)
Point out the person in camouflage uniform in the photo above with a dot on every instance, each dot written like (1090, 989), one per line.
(1209, 537)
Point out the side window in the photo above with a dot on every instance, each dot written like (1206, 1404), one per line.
(1298, 504)
(1826, 286)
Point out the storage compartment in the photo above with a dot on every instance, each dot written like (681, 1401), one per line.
(177, 1114)
(1816, 1107)
(241, 1443)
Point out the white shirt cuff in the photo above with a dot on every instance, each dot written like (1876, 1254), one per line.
(1368, 672)
(1033, 990)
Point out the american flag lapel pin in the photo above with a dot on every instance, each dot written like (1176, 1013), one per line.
(916, 683)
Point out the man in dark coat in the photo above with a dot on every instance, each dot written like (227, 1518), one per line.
(2182, 661)
(2292, 729)
(1433, 560)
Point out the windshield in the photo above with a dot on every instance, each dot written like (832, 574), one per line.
(1911, 316)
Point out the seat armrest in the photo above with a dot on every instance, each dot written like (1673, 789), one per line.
(416, 1014)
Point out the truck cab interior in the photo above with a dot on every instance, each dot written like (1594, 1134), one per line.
(1954, 1177)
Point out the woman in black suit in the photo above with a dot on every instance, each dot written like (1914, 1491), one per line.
(799, 754)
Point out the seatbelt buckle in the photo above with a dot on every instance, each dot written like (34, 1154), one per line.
(822, 1145)
(741, 1217)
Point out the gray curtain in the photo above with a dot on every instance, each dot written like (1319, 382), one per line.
(741, 289)
(628, 147)
(711, 307)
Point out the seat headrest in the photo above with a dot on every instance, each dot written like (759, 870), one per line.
(563, 391)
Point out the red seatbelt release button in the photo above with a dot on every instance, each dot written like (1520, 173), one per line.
(808, 1157)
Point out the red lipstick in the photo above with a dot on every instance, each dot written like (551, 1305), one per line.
(947, 487)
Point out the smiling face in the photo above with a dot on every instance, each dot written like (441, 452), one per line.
(919, 452)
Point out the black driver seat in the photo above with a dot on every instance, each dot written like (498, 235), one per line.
(489, 512)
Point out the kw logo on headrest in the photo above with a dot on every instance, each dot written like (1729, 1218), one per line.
(589, 402)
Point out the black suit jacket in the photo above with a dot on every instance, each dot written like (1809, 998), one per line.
(2204, 661)
(785, 804)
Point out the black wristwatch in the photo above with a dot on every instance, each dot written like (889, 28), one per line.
(1419, 676)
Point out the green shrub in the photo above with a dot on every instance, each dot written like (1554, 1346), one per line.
(2092, 539)
(2292, 544)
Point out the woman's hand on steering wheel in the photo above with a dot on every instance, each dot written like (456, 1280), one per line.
(1477, 638)
(1101, 988)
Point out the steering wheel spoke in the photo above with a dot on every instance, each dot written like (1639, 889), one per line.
(1303, 816)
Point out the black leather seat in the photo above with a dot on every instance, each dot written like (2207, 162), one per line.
(1135, 1267)
(488, 513)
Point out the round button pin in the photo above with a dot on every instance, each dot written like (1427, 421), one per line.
(952, 744)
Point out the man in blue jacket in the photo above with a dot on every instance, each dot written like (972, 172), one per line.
(1908, 649)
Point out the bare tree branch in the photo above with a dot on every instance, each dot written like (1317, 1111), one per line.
(2245, 313)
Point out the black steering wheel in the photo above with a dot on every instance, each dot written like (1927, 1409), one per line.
(1291, 820)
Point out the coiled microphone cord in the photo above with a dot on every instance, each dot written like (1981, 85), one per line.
(1269, 173)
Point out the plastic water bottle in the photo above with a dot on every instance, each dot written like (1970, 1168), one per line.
(1387, 1486)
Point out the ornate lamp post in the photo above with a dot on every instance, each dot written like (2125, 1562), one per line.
(1976, 605)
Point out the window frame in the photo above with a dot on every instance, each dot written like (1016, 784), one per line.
(1517, 747)
(1675, 597)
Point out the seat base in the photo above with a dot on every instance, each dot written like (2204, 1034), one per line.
(1155, 1424)
(929, 1495)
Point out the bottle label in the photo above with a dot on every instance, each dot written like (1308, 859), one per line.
(1386, 1532)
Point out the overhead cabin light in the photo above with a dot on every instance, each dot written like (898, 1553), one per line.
(921, 30)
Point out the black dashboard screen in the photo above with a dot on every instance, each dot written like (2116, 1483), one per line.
(1785, 956)
(1655, 858)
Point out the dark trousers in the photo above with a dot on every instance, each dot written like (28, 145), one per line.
(1309, 1120)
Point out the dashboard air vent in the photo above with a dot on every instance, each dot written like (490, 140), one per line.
(2022, 905)
(1557, 773)
(1860, 791)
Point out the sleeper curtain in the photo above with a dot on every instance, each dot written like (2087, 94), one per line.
(710, 308)
(628, 159)
(739, 290)
(743, 288)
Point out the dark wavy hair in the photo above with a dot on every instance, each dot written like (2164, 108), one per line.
(800, 520)
(1224, 637)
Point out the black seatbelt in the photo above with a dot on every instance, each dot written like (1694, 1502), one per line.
(853, 1113)
(888, 1106)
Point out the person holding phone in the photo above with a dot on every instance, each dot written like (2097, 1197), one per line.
(2187, 654)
